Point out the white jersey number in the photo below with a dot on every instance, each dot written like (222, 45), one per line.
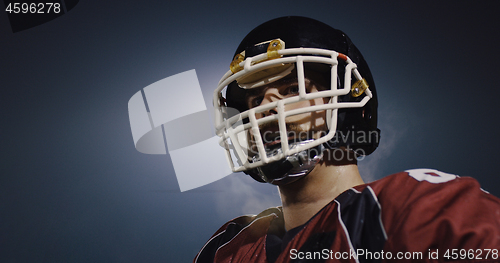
(430, 175)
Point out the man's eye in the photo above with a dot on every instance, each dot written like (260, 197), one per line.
(293, 90)
(256, 101)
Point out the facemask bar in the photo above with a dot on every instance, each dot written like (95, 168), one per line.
(228, 129)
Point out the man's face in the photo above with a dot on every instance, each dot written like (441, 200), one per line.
(309, 125)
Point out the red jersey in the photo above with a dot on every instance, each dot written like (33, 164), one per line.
(419, 215)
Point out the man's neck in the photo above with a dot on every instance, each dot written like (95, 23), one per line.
(304, 198)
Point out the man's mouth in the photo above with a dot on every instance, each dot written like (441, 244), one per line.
(271, 136)
(276, 142)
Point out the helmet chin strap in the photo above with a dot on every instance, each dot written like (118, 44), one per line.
(290, 169)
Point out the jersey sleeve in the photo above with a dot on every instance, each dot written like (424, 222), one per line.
(426, 210)
(230, 230)
(221, 236)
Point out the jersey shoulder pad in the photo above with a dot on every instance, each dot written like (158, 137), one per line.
(418, 203)
(228, 231)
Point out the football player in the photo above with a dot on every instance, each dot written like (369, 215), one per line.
(296, 109)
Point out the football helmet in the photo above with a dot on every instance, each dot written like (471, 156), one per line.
(321, 63)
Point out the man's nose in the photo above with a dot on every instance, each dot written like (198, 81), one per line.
(271, 95)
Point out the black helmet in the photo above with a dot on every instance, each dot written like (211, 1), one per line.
(290, 46)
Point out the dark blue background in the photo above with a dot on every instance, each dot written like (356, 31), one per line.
(74, 189)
